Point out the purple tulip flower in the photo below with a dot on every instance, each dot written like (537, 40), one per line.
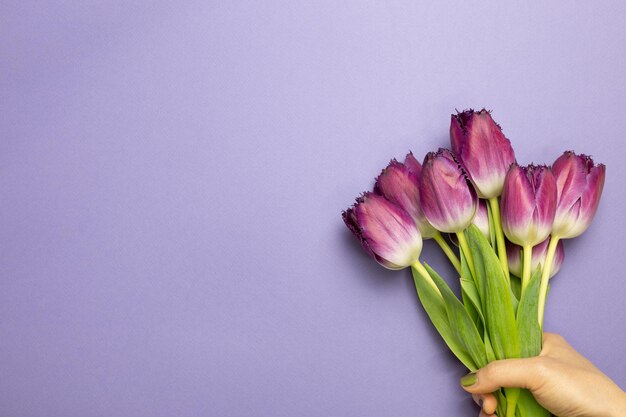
(579, 184)
(481, 220)
(448, 199)
(483, 149)
(514, 254)
(386, 231)
(399, 183)
(528, 204)
(412, 164)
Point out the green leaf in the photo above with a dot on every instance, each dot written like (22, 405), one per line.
(488, 349)
(512, 396)
(529, 407)
(514, 301)
(470, 306)
(527, 321)
(496, 297)
(436, 310)
(461, 323)
(471, 310)
(516, 286)
(469, 288)
(465, 269)
(501, 402)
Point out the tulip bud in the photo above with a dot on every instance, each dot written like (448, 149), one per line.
(386, 231)
(448, 199)
(400, 185)
(514, 255)
(528, 204)
(483, 149)
(481, 220)
(579, 184)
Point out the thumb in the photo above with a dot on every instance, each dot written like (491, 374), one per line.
(507, 373)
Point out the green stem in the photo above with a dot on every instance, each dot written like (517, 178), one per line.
(466, 251)
(492, 229)
(527, 256)
(424, 273)
(512, 395)
(497, 222)
(545, 277)
(501, 411)
(448, 251)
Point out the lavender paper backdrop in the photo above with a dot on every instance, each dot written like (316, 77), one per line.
(172, 176)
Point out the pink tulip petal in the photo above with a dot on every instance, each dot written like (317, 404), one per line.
(385, 231)
(483, 149)
(448, 199)
(579, 187)
(528, 204)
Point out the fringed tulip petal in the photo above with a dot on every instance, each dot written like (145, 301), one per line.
(386, 231)
(579, 188)
(483, 149)
(399, 183)
(528, 204)
(448, 199)
(413, 164)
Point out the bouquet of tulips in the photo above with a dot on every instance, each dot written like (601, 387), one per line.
(508, 222)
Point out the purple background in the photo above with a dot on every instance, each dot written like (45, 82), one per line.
(172, 176)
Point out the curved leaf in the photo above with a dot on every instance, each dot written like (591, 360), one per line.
(460, 322)
(436, 310)
(496, 297)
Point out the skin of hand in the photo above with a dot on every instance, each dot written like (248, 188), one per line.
(562, 381)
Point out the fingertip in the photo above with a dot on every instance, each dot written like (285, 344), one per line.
(490, 404)
(470, 383)
(469, 380)
(514, 373)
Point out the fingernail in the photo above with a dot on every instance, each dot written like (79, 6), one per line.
(469, 379)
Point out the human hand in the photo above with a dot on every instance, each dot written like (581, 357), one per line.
(561, 379)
